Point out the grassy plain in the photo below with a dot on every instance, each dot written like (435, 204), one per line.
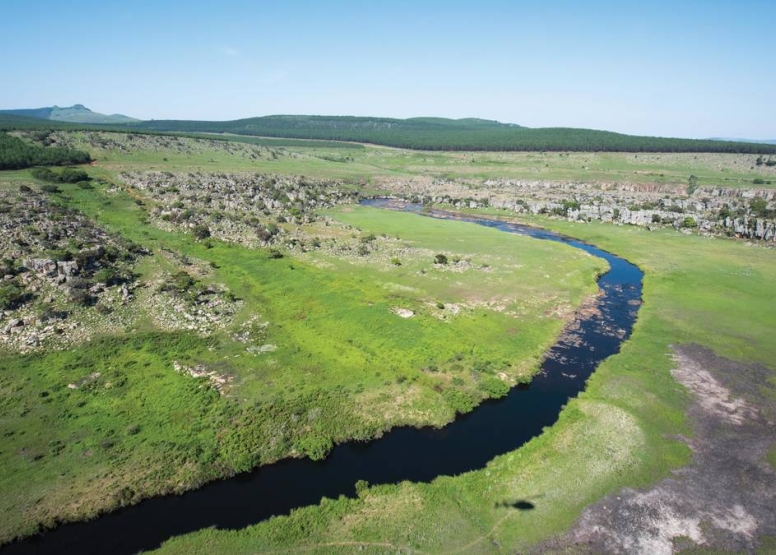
(374, 163)
(618, 432)
(141, 428)
(144, 428)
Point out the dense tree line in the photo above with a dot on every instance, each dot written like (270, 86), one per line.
(445, 134)
(17, 154)
(415, 133)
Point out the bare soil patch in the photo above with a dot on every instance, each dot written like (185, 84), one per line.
(725, 499)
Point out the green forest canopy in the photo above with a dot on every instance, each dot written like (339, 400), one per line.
(415, 133)
(16, 154)
(447, 134)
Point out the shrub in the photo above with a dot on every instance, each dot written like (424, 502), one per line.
(12, 296)
(201, 232)
(81, 296)
(314, 446)
(493, 387)
(460, 401)
(440, 259)
(758, 206)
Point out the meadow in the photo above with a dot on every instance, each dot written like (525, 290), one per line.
(624, 431)
(338, 348)
(376, 165)
(334, 347)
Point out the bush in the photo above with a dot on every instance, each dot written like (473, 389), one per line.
(50, 188)
(201, 232)
(493, 387)
(72, 175)
(440, 259)
(181, 282)
(67, 175)
(314, 446)
(12, 296)
(460, 401)
(81, 296)
(759, 206)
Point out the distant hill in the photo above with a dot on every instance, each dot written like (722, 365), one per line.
(448, 134)
(425, 133)
(78, 113)
(755, 141)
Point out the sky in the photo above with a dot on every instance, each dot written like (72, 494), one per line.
(681, 68)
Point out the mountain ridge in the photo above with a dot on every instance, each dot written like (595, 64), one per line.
(77, 113)
(419, 133)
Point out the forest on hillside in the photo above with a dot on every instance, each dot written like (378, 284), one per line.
(445, 134)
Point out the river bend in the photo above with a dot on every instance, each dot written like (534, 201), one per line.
(419, 455)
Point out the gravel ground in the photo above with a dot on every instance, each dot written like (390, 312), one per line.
(725, 500)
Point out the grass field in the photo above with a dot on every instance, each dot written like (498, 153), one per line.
(337, 345)
(617, 433)
(141, 428)
(375, 164)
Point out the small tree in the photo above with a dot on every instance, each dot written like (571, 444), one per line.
(201, 231)
(692, 184)
(758, 206)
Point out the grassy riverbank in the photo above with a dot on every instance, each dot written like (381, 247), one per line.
(317, 328)
(108, 421)
(620, 432)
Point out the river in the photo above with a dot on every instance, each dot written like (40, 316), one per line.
(419, 455)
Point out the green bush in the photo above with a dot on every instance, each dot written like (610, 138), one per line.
(493, 387)
(460, 401)
(12, 296)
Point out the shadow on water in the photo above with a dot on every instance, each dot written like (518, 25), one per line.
(418, 455)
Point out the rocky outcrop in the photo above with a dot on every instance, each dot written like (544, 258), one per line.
(747, 213)
(242, 208)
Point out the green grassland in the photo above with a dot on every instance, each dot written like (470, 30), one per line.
(615, 434)
(141, 428)
(378, 165)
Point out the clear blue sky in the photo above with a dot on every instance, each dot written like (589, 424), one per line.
(684, 68)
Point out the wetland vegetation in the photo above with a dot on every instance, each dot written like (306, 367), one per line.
(244, 309)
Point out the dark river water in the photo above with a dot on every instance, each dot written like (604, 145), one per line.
(418, 455)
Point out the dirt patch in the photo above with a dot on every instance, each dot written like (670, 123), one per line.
(724, 500)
